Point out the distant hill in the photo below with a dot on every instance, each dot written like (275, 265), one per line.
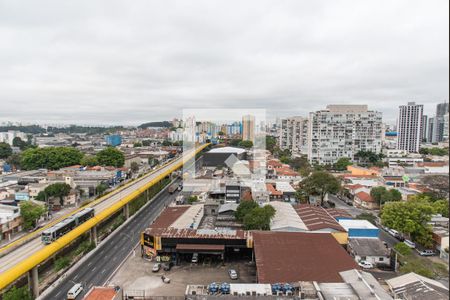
(166, 124)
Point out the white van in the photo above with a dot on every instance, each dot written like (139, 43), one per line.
(74, 291)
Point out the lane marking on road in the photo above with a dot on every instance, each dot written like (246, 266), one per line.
(89, 264)
(94, 269)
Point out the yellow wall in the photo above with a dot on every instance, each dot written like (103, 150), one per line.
(360, 171)
(341, 237)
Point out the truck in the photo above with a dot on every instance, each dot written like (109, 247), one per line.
(172, 188)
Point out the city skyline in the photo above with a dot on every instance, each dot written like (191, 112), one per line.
(127, 65)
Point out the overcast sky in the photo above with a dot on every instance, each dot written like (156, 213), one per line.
(128, 62)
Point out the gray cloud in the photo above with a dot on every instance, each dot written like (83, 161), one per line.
(122, 62)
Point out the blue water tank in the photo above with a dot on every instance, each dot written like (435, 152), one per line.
(213, 288)
(225, 288)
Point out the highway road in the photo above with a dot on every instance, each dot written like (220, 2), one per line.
(110, 253)
(32, 243)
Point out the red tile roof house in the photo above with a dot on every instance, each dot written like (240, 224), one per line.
(364, 200)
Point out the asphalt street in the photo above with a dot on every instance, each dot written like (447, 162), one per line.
(109, 254)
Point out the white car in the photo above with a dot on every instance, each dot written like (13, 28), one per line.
(156, 267)
(410, 244)
(365, 264)
(233, 274)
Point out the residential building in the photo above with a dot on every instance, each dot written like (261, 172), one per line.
(248, 128)
(8, 137)
(10, 221)
(365, 200)
(442, 109)
(410, 127)
(342, 131)
(424, 129)
(294, 135)
(430, 129)
(371, 250)
(445, 134)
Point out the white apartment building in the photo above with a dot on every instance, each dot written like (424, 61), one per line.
(409, 126)
(342, 131)
(293, 135)
(8, 137)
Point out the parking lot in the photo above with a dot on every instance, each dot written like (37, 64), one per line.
(136, 276)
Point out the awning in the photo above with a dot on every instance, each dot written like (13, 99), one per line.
(200, 247)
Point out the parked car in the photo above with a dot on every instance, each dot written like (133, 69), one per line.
(194, 258)
(365, 264)
(426, 252)
(156, 267)
(233, 274)
(167, 266)
(395, 234)
(410, 244)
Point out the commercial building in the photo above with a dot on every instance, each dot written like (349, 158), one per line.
(293, 135)
(113, 140)
(412, 286)
(248, 128)
(360, 228)
(430, 129)
(409, 127)
(342, 131)
(299, 256)
(219, 156)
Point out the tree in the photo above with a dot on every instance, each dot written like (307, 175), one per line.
(111, 157)
(59, 190)
(18, 142)
(22, 293)
(234, 142)
(438, 183)
(146, 143)
(31, 213)
(134, 166)
(403, 249)
(342, 163)
(5, 150)
(14, 161)
(271, 142)
(381, 195)
(101, 188)
(368, 157)
(244, 208)
(367, 216)
(320, 183)
(166, 143)
(89, 161)
(301, 165)
(441, 207)
(409, 217)
(259, 218)
(51, 158)
(246, 144)
(153, 161)
(192, 199)
(137, 145)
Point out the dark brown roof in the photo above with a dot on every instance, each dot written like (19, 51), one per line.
(168, 216)
(200, 247)
(299, 256)
(339, 213)
(193, 233)
(317, 218)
